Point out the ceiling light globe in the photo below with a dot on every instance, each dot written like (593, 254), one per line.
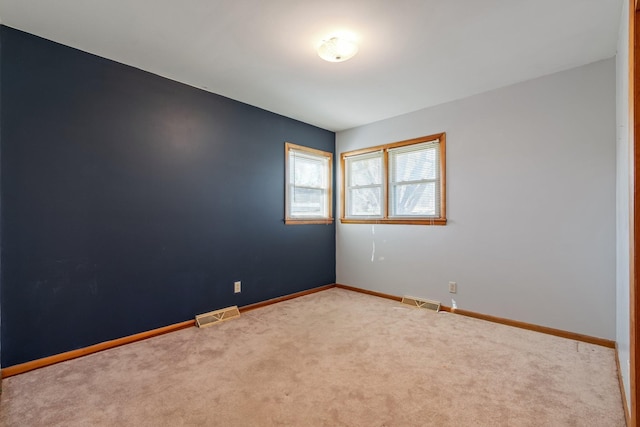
(337, 50)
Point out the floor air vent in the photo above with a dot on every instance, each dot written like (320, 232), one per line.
(421, 303)
(213, 317)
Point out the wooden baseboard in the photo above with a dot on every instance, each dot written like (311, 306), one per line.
(285, 298)
(515, 323)
(623, 393)
(368, 292)
(73, 354)
(537, 328)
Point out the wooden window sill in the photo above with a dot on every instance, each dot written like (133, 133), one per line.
(292, 221)
(416, 221)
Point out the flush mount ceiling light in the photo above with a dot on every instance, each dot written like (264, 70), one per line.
(337, 49)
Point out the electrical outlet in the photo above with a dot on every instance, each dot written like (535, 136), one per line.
(237, 287)
(453, 287)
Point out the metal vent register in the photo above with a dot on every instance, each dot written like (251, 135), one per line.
(213, 317)
(421, 303)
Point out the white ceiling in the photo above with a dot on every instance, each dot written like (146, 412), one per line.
(413, 53)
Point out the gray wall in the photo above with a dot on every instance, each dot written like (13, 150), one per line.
(530, 200)
(623, 148)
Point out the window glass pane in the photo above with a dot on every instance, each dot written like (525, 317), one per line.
(307, 172)
(365, 171)
(414, 199)
(365, 201)
(414, 165)
(307, 202)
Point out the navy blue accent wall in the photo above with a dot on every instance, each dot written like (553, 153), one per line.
(131, 202)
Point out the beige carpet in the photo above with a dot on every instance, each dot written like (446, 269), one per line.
(334, 358)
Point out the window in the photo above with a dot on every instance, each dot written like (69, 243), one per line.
(399, 183)
(308, 191)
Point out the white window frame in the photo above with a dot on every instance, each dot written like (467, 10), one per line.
(291, 152)
(388, 215)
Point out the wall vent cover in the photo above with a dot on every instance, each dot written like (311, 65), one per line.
(421, 303)
(213, 317)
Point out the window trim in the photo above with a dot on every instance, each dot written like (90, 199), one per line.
(385, 219)
(288, 147)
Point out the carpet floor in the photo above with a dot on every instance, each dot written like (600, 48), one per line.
(333, 358)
